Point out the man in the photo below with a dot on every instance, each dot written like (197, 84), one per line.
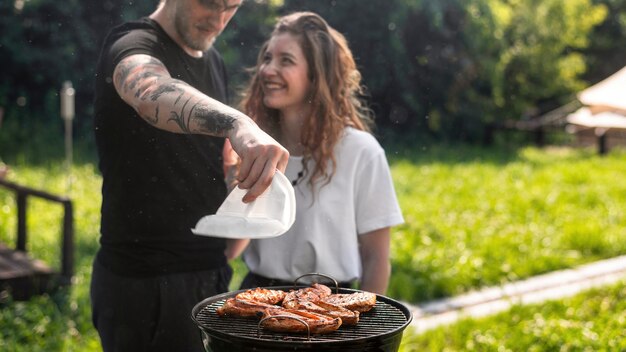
(160, 125)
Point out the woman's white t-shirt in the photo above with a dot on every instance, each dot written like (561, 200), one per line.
(324, 237)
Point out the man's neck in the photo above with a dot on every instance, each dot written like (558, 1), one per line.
(166, 21)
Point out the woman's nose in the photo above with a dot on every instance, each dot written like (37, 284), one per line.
(269, 68)
(266, 70)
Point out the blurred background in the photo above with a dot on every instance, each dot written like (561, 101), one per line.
(442, 70)
(472, 99)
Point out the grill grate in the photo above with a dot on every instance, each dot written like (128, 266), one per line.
(383, 319)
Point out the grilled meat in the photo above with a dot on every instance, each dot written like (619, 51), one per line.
(308, 294)
(251, 303)
(262, 295)
(312, 299)
(290, 320)
(347, 316)
(316, 305)
(243, 308)
(358, 301)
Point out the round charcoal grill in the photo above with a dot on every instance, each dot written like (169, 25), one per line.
(380, 329)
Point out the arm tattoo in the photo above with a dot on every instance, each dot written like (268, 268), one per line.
(163, 89)
(154, 120)
(122, 73)
(179, 118)
(131, 75)
(126, 68)
(138, 79)
(211, 120)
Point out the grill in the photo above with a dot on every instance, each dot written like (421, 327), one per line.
(380, 329)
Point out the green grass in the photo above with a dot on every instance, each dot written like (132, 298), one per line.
(590, 321)
(473, 216)
(479, 218)
(61, 321)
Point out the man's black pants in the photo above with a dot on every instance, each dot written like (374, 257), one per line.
(151, 314)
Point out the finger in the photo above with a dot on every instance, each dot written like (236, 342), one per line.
(261, 184)
(253, 175)
(281, 165)
(244, 169)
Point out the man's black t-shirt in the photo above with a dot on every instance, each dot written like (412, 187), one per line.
(156, 184)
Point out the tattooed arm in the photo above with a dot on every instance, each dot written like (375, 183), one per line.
(144, 83)
(172, 105)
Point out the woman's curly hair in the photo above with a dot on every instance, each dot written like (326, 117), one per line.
(336, 92)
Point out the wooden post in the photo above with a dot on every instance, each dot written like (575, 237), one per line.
(67, 249)
(601, 134)
(67, 113)
(540, 136)
(602, 149)
(21, 221)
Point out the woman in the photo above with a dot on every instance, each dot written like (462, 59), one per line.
(305, 93)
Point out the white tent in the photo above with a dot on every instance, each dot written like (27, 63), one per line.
(604, 104)
(605, 119)
(609, 94)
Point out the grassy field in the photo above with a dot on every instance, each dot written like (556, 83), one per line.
(473, 216)
(477, 217)
(591, 321)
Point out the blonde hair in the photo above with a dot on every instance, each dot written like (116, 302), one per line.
(336, 92)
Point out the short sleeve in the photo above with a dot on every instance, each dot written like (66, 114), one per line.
(376, 202)
(132, 43)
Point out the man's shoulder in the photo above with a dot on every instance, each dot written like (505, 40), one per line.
(142, 24)
(133, 29)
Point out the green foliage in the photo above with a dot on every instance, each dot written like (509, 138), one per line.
(42, 45)
(478, 218)
(241, 41)
(539, 56)
(606, 52)
(490, 60)
(590, 321)
(438, 68)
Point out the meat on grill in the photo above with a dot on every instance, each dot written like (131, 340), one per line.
(262, 295)
(290, 320)
(312, 303)
(243, 308)
(251, 303)
(359, 301)
(314, 293)
(348, 317)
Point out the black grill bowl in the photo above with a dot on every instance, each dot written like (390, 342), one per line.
(380, 329)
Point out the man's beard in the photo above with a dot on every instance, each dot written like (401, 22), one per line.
(184, 29)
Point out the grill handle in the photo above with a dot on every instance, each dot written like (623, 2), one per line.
(295, 282)
(308, 329)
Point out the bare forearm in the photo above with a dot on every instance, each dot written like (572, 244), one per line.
(375, 277)
(234, 247)
(374, 250)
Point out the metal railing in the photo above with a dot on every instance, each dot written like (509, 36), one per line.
(67, 241)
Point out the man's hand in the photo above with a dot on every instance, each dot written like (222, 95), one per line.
(260, 157)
